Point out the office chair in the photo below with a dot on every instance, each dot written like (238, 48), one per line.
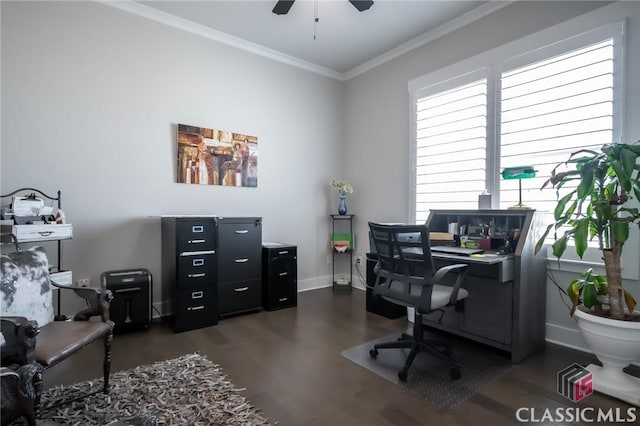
(406, 276)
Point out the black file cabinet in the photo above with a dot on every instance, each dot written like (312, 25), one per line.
(279, 276)
(189, 270)
(130, 308)
(239, 264)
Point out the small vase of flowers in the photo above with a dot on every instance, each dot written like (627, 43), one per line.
(343, 188)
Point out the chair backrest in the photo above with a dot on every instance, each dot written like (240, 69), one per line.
(25, 289)
(404, 255)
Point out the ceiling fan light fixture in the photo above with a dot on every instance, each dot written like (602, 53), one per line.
(282, 7)
(361, 5)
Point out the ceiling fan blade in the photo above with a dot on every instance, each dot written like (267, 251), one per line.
(361, 5)
(282, 7)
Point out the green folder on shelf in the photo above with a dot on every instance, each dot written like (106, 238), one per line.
(343, 238)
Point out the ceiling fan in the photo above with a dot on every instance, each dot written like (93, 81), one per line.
(282, 6)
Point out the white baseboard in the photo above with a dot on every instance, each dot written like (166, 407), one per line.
(314, 283)
(324, 282)
(565, 336)
(569, 338)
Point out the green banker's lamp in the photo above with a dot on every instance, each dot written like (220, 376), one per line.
(521, 172)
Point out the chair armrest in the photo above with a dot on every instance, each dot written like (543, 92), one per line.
(97, 299)
(7, 372)
(20, 340)
(461, 269)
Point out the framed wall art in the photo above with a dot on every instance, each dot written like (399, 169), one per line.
(216, 157)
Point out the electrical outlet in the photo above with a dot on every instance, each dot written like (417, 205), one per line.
(358, 260)
(83, 282)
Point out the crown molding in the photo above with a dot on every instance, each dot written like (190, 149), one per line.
(219, 36)
(421, 40)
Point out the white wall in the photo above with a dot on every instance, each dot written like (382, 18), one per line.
(90, 100)
(377, 113)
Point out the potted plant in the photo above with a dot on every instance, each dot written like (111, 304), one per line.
(597, 209)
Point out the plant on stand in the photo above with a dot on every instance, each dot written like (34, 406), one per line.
(597, 208)
(344, 188)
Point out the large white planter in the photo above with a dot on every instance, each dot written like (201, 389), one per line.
(616, 344)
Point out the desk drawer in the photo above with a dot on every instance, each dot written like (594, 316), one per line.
(499, 271)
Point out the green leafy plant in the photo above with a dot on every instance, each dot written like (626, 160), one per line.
(606, 180)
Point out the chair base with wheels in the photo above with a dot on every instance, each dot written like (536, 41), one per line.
(406, 276)
(418, 344)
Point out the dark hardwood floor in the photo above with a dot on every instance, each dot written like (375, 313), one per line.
(290, 364)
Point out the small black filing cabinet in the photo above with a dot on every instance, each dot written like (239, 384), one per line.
(375, 304)
(189, 270)
(130, 308)
(279, 276)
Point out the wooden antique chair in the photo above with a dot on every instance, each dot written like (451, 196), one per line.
(30, 334)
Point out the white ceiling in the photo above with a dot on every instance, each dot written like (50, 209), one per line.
(345, 40)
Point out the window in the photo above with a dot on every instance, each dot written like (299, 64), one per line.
(550, 109)
(451, 140)
(533, 109)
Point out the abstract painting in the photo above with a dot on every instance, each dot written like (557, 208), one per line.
(216, 157)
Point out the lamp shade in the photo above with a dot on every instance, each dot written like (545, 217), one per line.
(520, 172)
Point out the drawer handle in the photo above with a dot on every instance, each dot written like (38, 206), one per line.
(284, 299)
(241, 289)
(195, 308)
(128, 290)
(241, 231)
(45, 233)
(197, 253)
(245, 260)
(196, 275)
(198, 262)
(197, 295)
(196, 241)
(282, 274)
(197, 228)
(283, 252)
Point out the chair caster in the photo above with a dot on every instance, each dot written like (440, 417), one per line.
(373, 353)
(402, 375)
(454, 373)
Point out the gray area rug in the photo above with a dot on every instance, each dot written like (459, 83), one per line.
(190, 390)
(428, 377)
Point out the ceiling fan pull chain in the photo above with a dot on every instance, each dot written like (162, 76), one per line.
(315, 18)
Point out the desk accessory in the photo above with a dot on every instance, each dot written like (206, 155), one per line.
(520, 172)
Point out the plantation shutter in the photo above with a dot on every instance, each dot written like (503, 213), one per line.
(549, 109)
(451, 157)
